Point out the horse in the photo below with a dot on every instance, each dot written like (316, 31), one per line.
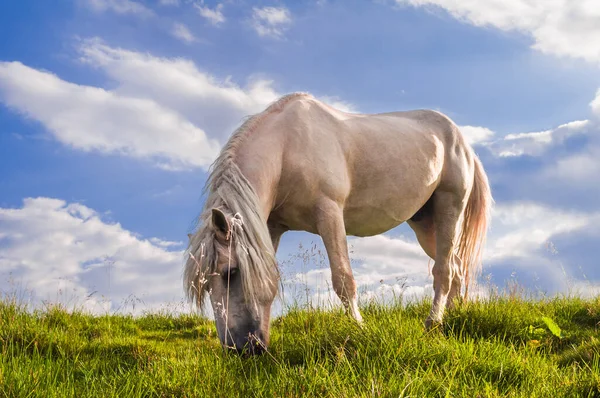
(303, 165)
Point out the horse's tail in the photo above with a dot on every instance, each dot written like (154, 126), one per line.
(475, 226)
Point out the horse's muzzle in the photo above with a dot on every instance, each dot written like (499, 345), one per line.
(251, 344)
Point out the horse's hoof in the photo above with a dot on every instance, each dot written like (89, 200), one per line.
(355, 314)
(359, 319)
(432, 324)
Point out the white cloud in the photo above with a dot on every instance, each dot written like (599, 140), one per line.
(377, 258)
(520, 230)
(90, 118)
(562, 167)
(537, 143)
(183, 33)
(339, 104)
(169, 2)
(165, 243)
(179, 120)
(217, 106)
(58, 251)
(384, 257)
(475, 134)
(585, 288)
(271, 21)
(595, 104)
(560, 27)
(384, 269)
(119, 7)
(214, 16)
(388, 268)
(576, 169)
(569, 168)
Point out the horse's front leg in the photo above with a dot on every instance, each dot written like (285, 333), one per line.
(330, 226)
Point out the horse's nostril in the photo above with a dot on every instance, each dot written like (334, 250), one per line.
(256, 343)
(253, 344)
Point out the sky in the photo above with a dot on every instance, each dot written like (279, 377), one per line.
(111, 112)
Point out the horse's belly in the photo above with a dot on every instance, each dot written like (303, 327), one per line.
(376, 210)
(369, 220)
(369, 223)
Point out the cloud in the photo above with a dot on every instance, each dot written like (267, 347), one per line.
(314, 288)
(378, 258)
(522, 229)
(64, 252)
(383, 257)
(560, 28)
(119, 7)
(595, 104)
(523, 240)
(91, 118)
(214, 16)
(476, 134)
(339, 104)
(164, 243)
(271, 21)
(216, 105)
(537, 143)
(384, 268)
(178, 121)
(169, 2)
(183, 33)
(586, 289)
(578, 168)
(557, 165)
(540, 143)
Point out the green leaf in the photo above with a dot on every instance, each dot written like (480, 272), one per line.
(554, 329)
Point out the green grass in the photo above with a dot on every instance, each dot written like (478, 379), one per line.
(496, 348)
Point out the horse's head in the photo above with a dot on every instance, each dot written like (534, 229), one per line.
(238, 276)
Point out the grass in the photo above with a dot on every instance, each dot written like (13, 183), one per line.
(501, 347)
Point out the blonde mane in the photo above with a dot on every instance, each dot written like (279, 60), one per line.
(229, 190)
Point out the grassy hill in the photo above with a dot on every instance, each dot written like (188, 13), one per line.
(502, 347)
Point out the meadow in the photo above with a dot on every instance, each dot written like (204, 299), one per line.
(504, 346)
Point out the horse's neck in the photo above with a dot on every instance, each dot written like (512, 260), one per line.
(264, 181)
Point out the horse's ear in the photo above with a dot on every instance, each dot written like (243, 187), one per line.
(220, 224)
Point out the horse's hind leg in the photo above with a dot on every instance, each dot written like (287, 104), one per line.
(456, 281)
(448, 206)
(425, 232)
(330, 226)
(424, 228)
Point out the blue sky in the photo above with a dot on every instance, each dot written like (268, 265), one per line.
(111, 111)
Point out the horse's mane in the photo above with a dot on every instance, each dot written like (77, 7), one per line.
(229, 190)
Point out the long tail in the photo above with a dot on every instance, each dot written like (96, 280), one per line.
(475, 225)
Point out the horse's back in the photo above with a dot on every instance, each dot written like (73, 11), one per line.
(417, 126)
(381, 168)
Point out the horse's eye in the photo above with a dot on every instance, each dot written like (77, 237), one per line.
(230, 273)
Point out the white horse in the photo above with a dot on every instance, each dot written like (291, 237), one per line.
(302, 165)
